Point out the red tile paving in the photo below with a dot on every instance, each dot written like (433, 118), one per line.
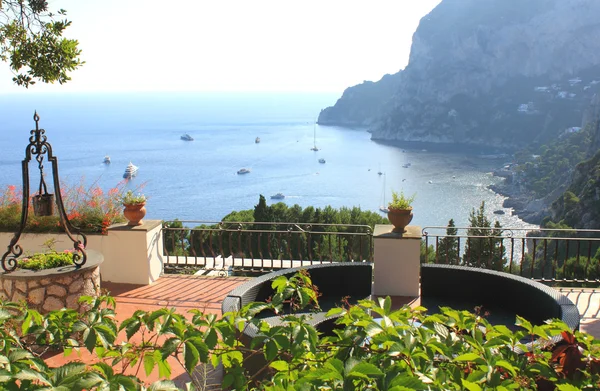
(172, 291)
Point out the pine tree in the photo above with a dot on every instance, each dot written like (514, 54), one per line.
(484, 246)
(447, 248)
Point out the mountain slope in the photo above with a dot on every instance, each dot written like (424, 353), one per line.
(486, 72)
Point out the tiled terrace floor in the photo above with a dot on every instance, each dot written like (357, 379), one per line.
(206, 293)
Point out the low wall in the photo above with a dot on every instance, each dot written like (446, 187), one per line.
(132, 255)
(53, 289)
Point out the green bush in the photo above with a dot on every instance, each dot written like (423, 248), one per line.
(41, 261)
(375, 348)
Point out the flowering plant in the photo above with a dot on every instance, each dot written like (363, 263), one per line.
(129, 198)
(90, 209)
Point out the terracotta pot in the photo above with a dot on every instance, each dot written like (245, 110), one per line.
(134, 214)
(400, 218)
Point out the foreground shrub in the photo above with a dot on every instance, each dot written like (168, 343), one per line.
(405, 349)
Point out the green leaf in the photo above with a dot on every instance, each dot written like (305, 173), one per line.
(279, 283)
(407, 383)
(366, 369)
(567, 387)
(471, 386)
(468, 357)
(149, 363)
(506, 365)
(169, 347)
(280, 365)
(191, 356)
(163, 385)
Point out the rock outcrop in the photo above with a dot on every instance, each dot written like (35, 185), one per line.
(489, 72)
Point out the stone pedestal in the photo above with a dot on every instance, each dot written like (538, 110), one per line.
(396, 261)
(134, 254)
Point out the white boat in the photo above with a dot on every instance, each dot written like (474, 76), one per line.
(257, 140)
(406, 165)
(243, 171)
(106, 159)
(321, 160)
(314, 148)
(278, 196)
(130, 171)
(187, 137)
(383, 208)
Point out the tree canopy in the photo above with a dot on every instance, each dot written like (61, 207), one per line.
(32, 42)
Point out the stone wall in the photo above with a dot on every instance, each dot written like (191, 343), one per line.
(52, 289)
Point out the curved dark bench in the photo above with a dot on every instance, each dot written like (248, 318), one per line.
(532, 300)
(335, 281)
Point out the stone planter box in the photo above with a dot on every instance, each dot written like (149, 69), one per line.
(53, 289)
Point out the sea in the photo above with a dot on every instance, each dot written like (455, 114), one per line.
(198, 180)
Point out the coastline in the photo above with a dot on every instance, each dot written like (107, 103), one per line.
(524, 205)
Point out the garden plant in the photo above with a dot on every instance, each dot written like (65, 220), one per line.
(375, 348)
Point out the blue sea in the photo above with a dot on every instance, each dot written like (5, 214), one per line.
(198, 180)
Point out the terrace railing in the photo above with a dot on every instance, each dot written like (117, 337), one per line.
(262, 246)
(548, 255)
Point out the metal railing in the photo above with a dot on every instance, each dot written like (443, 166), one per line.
(263, 246)
(546, 255)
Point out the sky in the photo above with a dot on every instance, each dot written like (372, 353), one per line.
(227, 45)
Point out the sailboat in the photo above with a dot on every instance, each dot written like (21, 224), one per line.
(314, 148)
(383, 208)
(379, 172)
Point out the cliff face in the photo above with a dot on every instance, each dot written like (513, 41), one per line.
(489, 72)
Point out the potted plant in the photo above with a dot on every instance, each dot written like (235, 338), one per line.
(400, 211)
(135, 209)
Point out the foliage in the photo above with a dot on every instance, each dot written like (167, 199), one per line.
(32, 42)
(90, 209)
(129, 198)
(447, 248)
(555, 162)
(400, 201)
(484, 245)
(374, 348)
(49, 260)
(258, 238)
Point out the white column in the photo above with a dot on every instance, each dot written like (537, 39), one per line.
(133, 255)
(396, 261)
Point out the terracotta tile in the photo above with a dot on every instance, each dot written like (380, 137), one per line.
(179, 291)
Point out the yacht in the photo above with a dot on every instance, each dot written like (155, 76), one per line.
(243, 171)
(257, 140)
(278, 196)
(106, 159)
(130, 171)
(187, 137)
(321, 160)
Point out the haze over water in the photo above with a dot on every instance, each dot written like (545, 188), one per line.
(197, 180)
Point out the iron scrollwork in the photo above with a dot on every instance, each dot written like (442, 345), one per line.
(39, 146)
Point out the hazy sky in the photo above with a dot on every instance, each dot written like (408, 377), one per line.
(225, 45)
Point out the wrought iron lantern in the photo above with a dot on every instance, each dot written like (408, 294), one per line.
(43, 202)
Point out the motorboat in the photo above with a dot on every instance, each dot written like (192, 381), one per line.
(187, 137)
(321, 160)
(243, 171)
(130, 171)
(257, 140)
(106, 159)
(406, 165)
(278, 196)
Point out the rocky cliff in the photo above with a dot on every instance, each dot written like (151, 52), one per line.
(488, 72)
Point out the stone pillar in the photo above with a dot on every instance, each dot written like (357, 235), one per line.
(133, 255)
(396, 261)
